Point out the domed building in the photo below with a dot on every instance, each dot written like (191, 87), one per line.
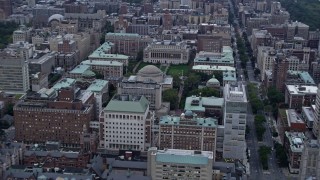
(150, 72)
(55, 19)
(150, 81)
(213, 83)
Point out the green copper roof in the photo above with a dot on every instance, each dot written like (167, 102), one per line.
(103, 52)
(128, 103)
(101, 63)
(97, 85)
(123, 34)
(175, 120)
(182, 159)
(195, 103)
(80, 69)
(66, 82)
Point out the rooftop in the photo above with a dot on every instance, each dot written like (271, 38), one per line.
(229, 76)
(176, 120)
(296, 140)
(80, 69)
(195, 103)
(301, 90)
(101, 63)
(309, 112)
(235, 92)
(64, 83)
(293, 117)
(213, 68)
(123, 34)
(128, 103)
(104, 52)
(97, 85)
(304, 75)
(183, 156)
(209, 57)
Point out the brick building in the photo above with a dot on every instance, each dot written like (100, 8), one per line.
(53, 115)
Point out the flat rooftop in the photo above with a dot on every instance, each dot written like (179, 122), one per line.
(309, 112)
(301, 90)
(128, 103)
(235, 92)
(176, 120)
(97, 85)
(213, 68)
(296, 140)
(195, 103)
(183, 156)
(101, 63)
(103, 52)
(80, 69)
(293, 117)
(64, 83)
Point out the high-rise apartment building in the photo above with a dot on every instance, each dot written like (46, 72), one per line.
(187, 132)
(279, 73)
(310, 161)
(126, 124)
(14, 72)
(183, 164)
(316, 122)
(54, 115)
(235, 117)
(5, 9)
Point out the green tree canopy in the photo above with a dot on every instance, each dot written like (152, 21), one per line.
(171, 95)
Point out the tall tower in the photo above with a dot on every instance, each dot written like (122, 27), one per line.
(5, 9)
(316, 122)
(235, 118)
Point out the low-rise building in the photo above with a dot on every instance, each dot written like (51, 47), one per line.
(308, 115)
(289, 120)
(173, 163)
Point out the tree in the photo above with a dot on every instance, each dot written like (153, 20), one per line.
(10, 109)
(139, 55)
(256, 72)
(171, 95)
(281, 155)
(264, 151)
(176, 81)
(275, 97)
(205, 92)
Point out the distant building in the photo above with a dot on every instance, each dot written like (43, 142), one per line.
(5, 9)
(187, 132)
(213, 42)
(172, 163)
(225, 58)
(316, 123)
(14, 73)
(211, 69)
(128, 44)
(166, 53)
(104, 53)
(235, 120)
